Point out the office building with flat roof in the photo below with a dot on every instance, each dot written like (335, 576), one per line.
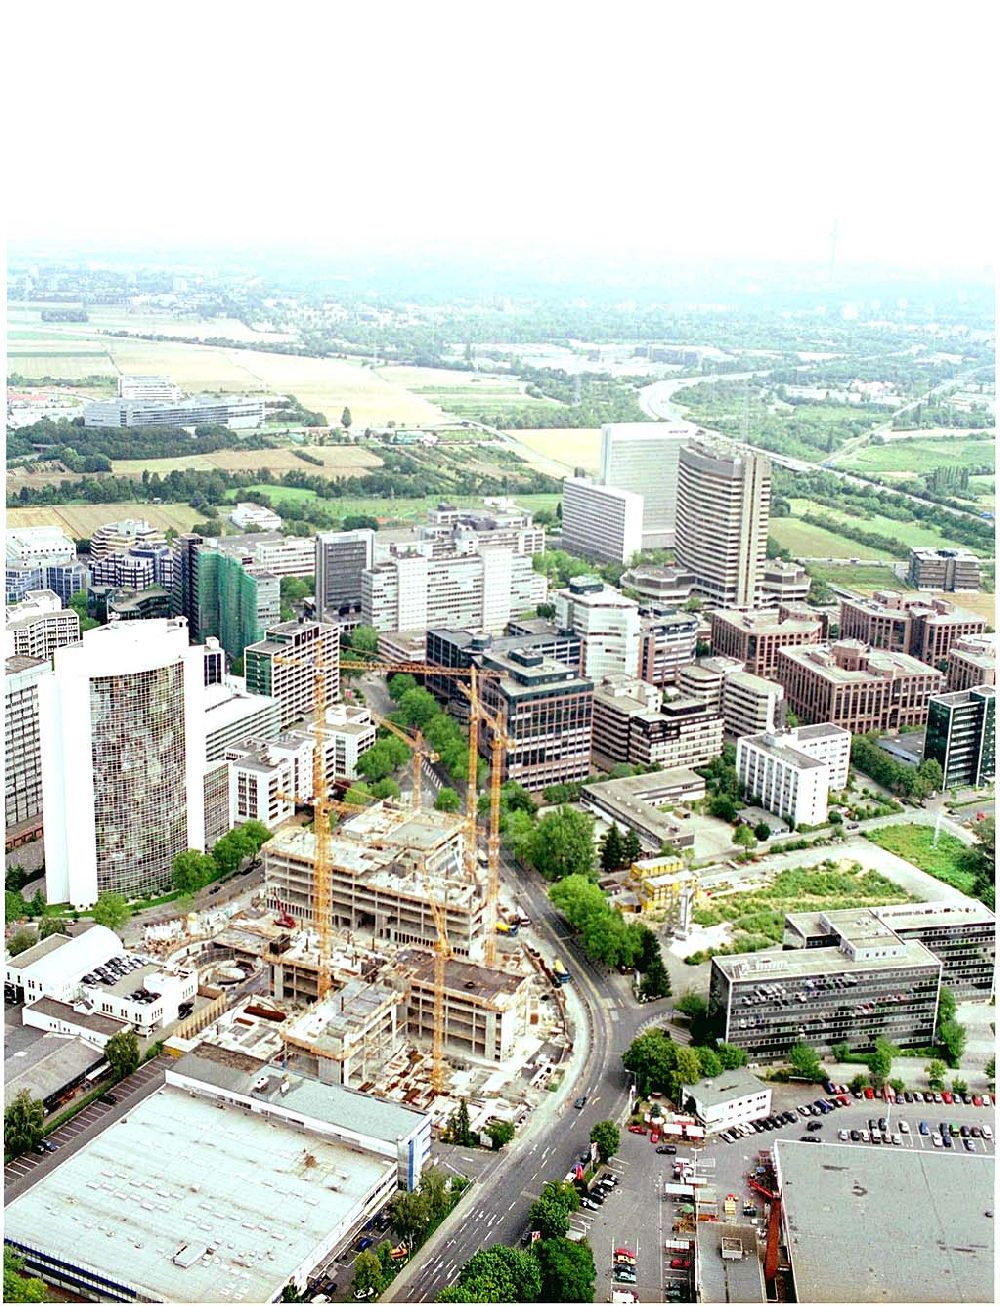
(633, 723)
(705, 677)
(606, 621)
(642, 457)
(148, 389)
(944, 569)
(461, 649)
(851, 685)
(872, 985)
(961, 934)
(284, 666)
(784, 582)
(723, 510)
(754, 638)
(481, 590)
(918, 624)
(545, 710)
(38, 544)
(751, 705)
(122, 749)
(341, 558)
(599, 522)
(665, 586)
(972, 661)
(236, 603)
(841, 1227)
(961, 736)
(782, 778)
(235, 411)
(734, 1097)
(120, 536)
(669, 640)
(22, 746)
(637, 803)
(39, 625)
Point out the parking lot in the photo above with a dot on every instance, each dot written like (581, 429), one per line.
(636, 1216)
(74, 1133)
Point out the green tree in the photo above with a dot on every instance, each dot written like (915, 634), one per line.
(612, 849)
(947, 1004)
(632, 849)
(447, 800)
(111, 910)
(991, 1070)
(695, 1007)
(21, 941)
(607, 1137)
(563, 844)
(724, 807)
(687, 1070)
(710, 1062)
(935, 1071)
(410, 1216)
(841, 1051)
(930, 770)
(497, 1274)
(549, 1217)
(15, 908)
(22, 1123)
(762, 831)
(122, 1053)
(745, 837)
(655, 981)
(384, 1253)
(879, 1061)
(229, 851)
(257, 832)
(459, 1130)
(399, 684)
(980, 862)
(951, 1037)
(651, 1057)
(345, 419)
(805, 1062)
(959, 1086)
(368, 1280)
(387, 788)
(568, 1270)
(78, 602)
(52, 925)
(192, 870)
(434, 1189)
(499, 1132)
(731, 1056)
(18, 1285)
(364, 640)
(418, 707)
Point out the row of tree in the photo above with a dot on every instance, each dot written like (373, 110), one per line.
(607, 937)
(192, 869)
(662, 1066)
(412, 1217)
(907, 781)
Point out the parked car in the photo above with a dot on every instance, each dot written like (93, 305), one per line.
(668, 1149)
(843, 1135)
(814, 1124)
(946, 1140)
(987, 1131)
(948, 1098)
(968, 1144)
(654, 1137)
(589, 1203)
(637, 1129)
(365, 1243)
(680, 1263)
(108, 1098)
(903, 1127)
(869, 1093)
(855, 1135)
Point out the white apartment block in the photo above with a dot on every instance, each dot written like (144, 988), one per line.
(751, 705)
(288, 557)
(600, 522)
(123, 759)
(350, 732)
(827, 743)
(266, 781)
(735, 1097)
(643, 457)
(40, 625)
(775, 774)
(120, 536)
(27, 544)
(148, 389)
(255, 514)
(607, 623)
(282, 666)
(482, 590)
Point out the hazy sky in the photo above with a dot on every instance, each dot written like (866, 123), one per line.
(721, 128)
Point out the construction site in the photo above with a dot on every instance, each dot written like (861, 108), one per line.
(394, 960)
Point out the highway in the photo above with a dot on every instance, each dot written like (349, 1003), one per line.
(496, 1207)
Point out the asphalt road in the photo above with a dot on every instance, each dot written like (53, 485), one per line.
(497, 1207)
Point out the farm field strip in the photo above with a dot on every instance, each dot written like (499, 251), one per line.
(920, 455)
(80, 520)
(338, 460)
(910, 533)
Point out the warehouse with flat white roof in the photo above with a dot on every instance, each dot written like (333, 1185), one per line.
(185, 1199)
(880, 1225)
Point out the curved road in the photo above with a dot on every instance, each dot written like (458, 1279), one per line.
(496, 1208)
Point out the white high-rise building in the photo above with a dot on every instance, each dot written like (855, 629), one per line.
(28, 544)
(792, 772)
(599, 522)
(607, 623)
(482, 590)
(148, 389)
(123, 759)
(40, 625)
(643, 457)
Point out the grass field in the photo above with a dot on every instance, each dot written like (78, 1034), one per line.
(920, 455)
(392, 510)
(865, 579)
(80, 520)
(808, 541)
(939, 857)
(338, 460)
(24, 322)
(466, 394)
(913, 534)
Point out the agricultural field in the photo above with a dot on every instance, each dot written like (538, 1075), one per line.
(80, 520)
(24, 322)
(913, 456)
(328, 385)
(465, 394)
(558, 450)
(338, 461)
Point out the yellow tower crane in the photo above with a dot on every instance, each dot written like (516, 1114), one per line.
(421, 752)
